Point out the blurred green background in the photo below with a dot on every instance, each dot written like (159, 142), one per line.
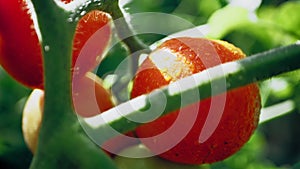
(252, 25)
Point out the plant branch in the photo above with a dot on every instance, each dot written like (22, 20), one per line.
(59, 123)
(236, 74)
(126, 34)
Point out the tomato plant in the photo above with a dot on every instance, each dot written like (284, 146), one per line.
(70, 141)
(21, 54)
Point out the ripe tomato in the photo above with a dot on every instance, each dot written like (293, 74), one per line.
(89, 96)
(33, 110)
(178, 58)
(21, 54)
(20, 49)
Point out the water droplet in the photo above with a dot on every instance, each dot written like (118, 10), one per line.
(70, 20)
(47, 48)
(87, 3)
(83, 13)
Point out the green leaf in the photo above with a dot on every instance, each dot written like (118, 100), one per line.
(251, 38)
(227, 19)
(112, 60)
(207, 7)
(286, 17)
(296, 166)
(249, 157)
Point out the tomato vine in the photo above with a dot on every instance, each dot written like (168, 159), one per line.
(59, 121)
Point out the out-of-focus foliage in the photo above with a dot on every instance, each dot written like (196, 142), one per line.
(252, 25)
(13, 151)
(251, 156)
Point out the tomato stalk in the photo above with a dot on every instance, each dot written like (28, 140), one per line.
(59, 123)
(236, 74)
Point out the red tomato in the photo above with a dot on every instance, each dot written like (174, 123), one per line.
(178, 58)
(89, 96)
(21, 52)
(20, 49)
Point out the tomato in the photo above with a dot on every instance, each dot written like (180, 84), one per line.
(226, 127)
(20, 49)
(144, 159)
(32, 117)
(21, 54)
(89, 96)
(33, 110)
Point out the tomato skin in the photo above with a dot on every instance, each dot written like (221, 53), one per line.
(92, 36)
(89, 96)
(32, 118)
(239, 118)
(21, 54)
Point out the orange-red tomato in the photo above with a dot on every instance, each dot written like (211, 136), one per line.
(20, 49)
(181, 57)
(89, 96)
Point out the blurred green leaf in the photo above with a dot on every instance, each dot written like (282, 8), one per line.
(165, 6)
(227, 19)
(273, 2)
(296, 166)
(12, 145)
(249, 157)
(207, 7)
(251, 38)
(197, 11)
(285, 17)
(112, 60)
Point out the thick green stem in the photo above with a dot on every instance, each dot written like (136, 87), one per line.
(61, 143)
(235, 74)
(57, 49)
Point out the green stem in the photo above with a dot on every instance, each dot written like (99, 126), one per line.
(235, 74)
(61, 143)
(125, 33)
